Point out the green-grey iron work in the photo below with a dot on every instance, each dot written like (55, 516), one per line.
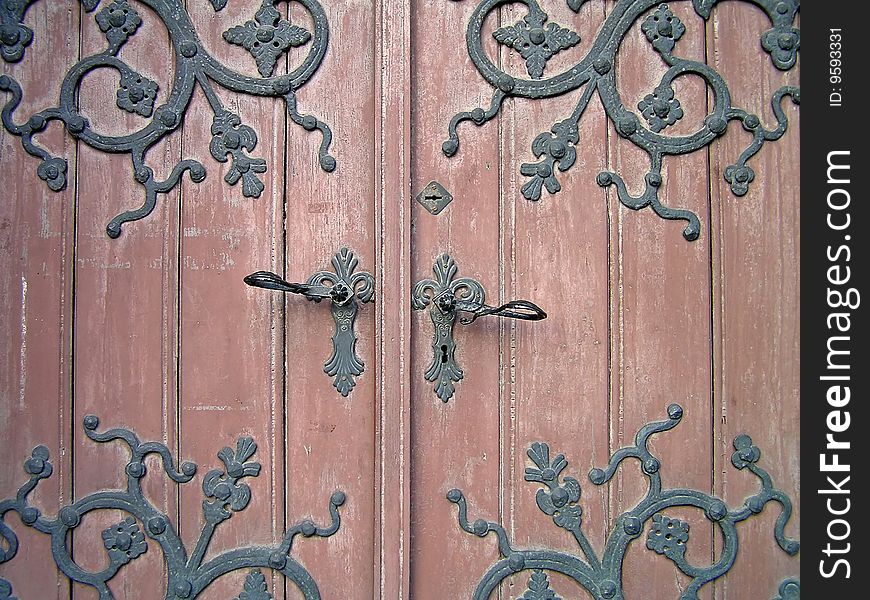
(188, 574)
(537, 41)
(267, 37)
(602, 577)
(446, 296)
(434, 197)
(344, 289)
(790, 589)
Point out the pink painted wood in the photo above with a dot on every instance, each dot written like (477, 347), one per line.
(555, 383)
(124, 324)
(756, 307)
(661, 340)
(36, 264)
(231, 346)
(157, 332)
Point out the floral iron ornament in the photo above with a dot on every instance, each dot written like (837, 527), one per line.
(536, 40)
(602, 577)
(346, 290)
(267, 37)
(447, 296)
(187, 574)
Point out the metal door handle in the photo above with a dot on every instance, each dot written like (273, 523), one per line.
(446, 296)
(345, 289)
(515, 309)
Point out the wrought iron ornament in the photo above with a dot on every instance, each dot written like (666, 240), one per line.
(187, 574)
(446, 296)
(267, 37)
(602, 577)
(537, 40)
(345, 289)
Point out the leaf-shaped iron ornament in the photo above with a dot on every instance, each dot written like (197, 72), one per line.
(446, 296)
(536, 41)
(255, 587)
(539, 588)
(188, 574)
(346, 289)
(267, 37)
(602, 577)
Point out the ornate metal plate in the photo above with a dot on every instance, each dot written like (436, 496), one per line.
(345, 289)
(537, 40)
(446, 296)
(267, 37)
(602, 577)
(434, 197)
(188, 574)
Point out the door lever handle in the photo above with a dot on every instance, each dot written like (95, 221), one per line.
(271, 281)
(345, 289)
(522, 310)
(447, 297)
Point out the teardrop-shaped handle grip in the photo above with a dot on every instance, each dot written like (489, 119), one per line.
(271, 281)
(523, 310)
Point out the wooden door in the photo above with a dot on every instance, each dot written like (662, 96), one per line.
(639, 318)
(156, 332)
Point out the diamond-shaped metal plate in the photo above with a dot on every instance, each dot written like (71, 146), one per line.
(434, 197)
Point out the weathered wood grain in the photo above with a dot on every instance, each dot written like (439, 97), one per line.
(454, 445)
(660, 296)
(330, 440)
(555, 253)
(756, 308)
(231, 352)
(36, 249)
(125, 292)
(392, 234)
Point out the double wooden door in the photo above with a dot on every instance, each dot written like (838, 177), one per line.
(156, 332)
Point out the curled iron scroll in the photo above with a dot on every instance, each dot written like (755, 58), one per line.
(188, 573)
(537, 40)
(602, 575)
(267, 37)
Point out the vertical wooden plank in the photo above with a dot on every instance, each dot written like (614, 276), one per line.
(36, 259)
(125, 293)
(556, 254)
(661, 342)
(330, 439)
(392, 232)
(455, 444)
(231, 348)
(756, 301)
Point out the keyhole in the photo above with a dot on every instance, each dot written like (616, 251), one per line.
(443, 353)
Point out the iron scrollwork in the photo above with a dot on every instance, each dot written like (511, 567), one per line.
(447, 296)
(267, 37)
(188, 574)
(537, 40)
(602, 577)
(345, 289)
